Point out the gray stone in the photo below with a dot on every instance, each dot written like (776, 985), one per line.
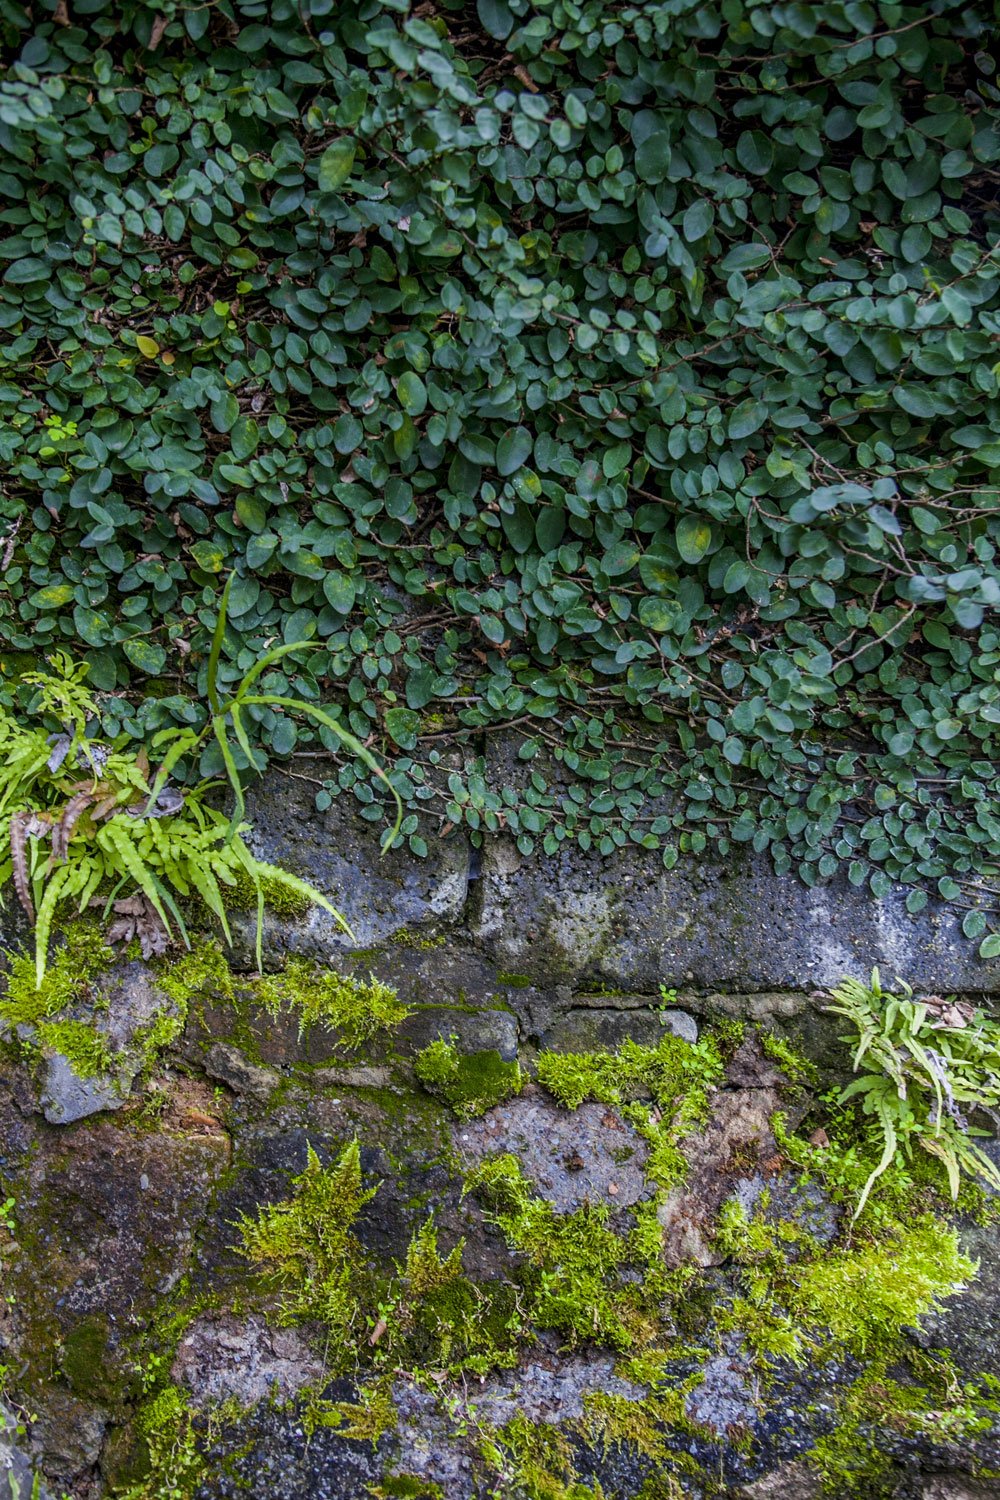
(18, 1480)
(592, 1030)
(587, 1155)
(338, 852)
(724, 1397)
(791, 1481)
(483, 1030)
(126, 1005)
(224, 1356)
(68, 1435)
(552, 1392)
(959, 1487)
(66, 1097)
(790, 1200)
(233, 1068)
(577, 917)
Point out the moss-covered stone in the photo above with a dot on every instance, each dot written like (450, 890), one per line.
(469, 1083)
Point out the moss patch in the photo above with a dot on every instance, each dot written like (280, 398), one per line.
(469, 1083)
(78, 961)
(356, 1008)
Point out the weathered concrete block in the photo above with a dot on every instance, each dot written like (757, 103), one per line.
(578, 918)
(338, 852)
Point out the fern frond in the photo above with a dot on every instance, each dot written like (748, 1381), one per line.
(303, 888)
(43, 922)
(115, 835)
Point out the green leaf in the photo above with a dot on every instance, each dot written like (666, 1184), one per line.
(145, 655)
(403, 726)
(694, 537)
(412, 393)
(747, 418)
(652, 157)
(973, 923)
(336, 164)
(224, 412)
(990, 946)
(496, 18)
(754, 152)
(339, 591)
(513, 450)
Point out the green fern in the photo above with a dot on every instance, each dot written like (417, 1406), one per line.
(928, 1062)
(80, 818)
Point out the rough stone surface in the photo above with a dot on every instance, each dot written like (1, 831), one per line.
(589, 1155)
(231, 1067)
(222, 1357)
(591, 1029)
(956, 1487)
(470, 1031)
(792, 1481)
(724, 1397)
(574, 918)
(633, 924)
(339, 853)
(131, 1220)
(18, 1478)
(131, 1002)
(737, 1135)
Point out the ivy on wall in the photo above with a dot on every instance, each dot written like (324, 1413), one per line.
(623, 373)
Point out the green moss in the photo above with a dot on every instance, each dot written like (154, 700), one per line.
(574, 1277)
(406, 1487)
(68, 980)
(165, 1427)
(675, 1075)
(865, 1296)
(304, 1248)
(515, 981)
(469, 1083)
(358, 1009)
(83, 1046)
(204, 971)
(534, 1460)
(406, 938)
(279, 898)
(674, 1067)
(796, 1067)
(83, 1359)
(362, 1421)
(446, 1322)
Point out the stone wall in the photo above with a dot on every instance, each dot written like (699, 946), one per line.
(124, 1277)
(577, 923)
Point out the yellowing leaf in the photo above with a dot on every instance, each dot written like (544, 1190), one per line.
(147, 347)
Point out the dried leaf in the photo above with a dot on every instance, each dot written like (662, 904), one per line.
(19, 860)
(62, 832)
(377, 1331)
(819, 1138)
(60, 749)
(156, 31)
(138, 918)
(169, 802)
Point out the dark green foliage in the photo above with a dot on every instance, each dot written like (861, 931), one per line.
(625, 372)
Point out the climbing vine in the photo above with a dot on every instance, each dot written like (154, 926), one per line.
(624, 376)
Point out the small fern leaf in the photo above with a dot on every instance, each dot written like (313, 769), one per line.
(43, 922)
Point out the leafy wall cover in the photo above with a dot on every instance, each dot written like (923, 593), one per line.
(625, 373)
